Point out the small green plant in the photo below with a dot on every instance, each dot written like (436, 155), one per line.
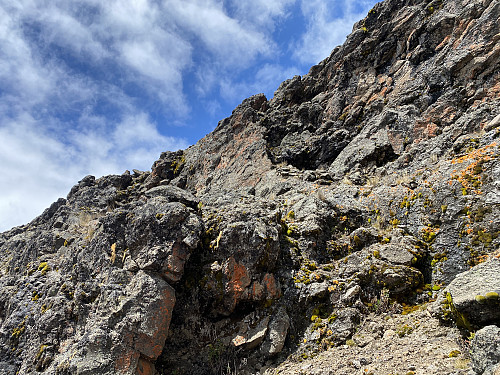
(404, 330)
(332, 318)
(290, 216)
(351, 342)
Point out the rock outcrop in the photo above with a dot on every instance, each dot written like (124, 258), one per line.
(361, 191)
(486, 351)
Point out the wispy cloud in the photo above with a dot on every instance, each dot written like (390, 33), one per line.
(261, 14)
(328, 24)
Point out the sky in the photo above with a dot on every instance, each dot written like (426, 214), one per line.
(100, 87)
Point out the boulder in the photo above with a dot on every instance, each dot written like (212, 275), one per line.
(485, 351)
(475, 293)
(278, 330)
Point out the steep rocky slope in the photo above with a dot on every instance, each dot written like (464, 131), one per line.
(350, 211)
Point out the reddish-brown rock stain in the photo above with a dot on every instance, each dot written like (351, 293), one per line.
(238, 280)
(272, 290)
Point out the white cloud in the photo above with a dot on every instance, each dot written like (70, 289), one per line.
(62, 28)
(226, 39)
(328, 24)
(19, 73)
(34, 172)
(68, 70)
(261, 13)
(40, 166)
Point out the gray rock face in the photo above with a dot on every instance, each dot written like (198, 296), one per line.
(485, 351)
(364, 186)
(97, 285)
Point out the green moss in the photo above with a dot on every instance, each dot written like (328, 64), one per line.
(343, 116)
(450, 312)
(357, 240)
(376, 254)
(454, 353)
(35, 296)
(491, 295)
(19, 330)
(408, 309)
(332, 318)
(394, 222)
(292, 230)
(479, 298)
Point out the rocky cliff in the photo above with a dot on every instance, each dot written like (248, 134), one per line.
(350, 224)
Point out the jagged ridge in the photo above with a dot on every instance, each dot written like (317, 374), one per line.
(367, 184)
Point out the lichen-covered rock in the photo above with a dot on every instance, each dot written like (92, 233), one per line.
(475, 294)
(485, 351)
(98, 292)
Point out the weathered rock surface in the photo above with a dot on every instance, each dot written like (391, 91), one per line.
(485, 351)
(388, 344)
(362, 188)
(475, 294)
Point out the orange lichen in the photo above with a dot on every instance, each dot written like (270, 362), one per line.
(470, 176)
(238, 281)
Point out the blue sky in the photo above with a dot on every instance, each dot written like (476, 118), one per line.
(99, 87)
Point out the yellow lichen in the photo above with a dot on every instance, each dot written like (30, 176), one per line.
(44, 268)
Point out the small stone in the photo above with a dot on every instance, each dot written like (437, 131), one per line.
(389, 334)
(495, 123)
